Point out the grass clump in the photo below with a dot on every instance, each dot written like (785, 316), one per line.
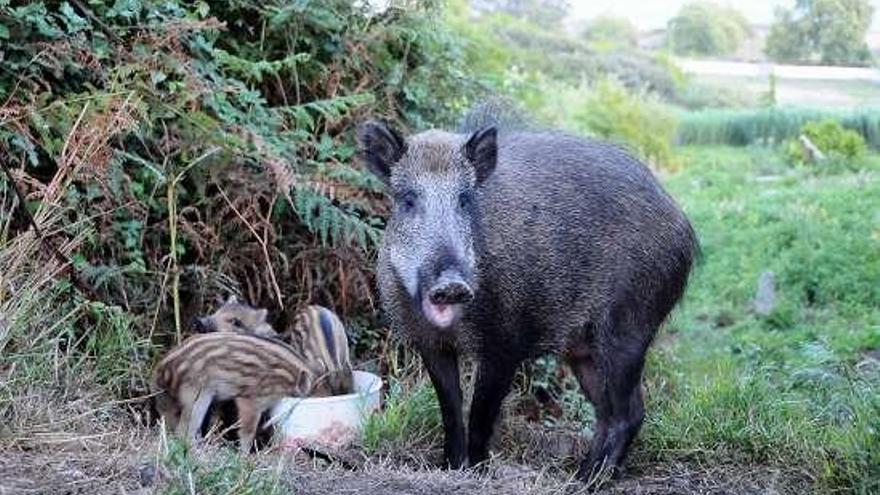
(220, 473)
(410, 416)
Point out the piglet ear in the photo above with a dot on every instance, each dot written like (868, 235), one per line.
(232, 299)
(380, 147)
(262, 314)
(481, 150)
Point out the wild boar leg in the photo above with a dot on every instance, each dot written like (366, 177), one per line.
(443, 369)
(614, 386)
(248, 421)
(494, 377)
(197, 412)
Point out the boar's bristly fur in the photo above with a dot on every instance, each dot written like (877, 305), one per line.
(506, 245)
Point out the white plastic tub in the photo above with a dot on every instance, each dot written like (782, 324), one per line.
(332, 421)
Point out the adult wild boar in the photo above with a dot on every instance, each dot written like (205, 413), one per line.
(509, 244)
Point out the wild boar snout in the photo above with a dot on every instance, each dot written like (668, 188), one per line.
(450, 288)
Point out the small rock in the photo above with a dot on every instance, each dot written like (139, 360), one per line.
(765, 298)
(870, 363)
(148, 475)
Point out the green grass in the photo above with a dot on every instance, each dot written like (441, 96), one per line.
(768, 125)
(410, 415)
(223, 473)
(787, 389)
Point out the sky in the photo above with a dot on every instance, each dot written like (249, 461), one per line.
(650, 14)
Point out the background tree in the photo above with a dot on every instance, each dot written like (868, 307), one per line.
(706, 28)
(830, 32)
(785, 42)
(545, 13)
(613, 31)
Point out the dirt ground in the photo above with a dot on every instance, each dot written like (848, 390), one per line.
(128, 463)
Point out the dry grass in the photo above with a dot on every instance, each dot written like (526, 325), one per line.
(132, 460)
(87, 464)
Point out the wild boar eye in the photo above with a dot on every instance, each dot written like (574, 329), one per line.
(465, 200)
(236, 322)
(406, 201)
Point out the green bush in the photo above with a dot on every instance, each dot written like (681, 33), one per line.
(202, 148)
(831, 137)
(634, 118)
(639, 71)
(837, 143)
(609, 31)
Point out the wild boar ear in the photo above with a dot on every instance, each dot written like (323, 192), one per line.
(380, 147)
(481, 150)
(232, 299)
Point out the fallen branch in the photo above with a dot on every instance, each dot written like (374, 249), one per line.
(814, 154)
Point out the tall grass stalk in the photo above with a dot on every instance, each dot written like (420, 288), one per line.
(769, 126)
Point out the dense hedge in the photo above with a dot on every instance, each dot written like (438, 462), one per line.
(192, 149)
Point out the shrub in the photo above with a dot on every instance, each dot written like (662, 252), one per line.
(634, 118)
(640, 72)
(831, 138)
(202, 148)
(612, 32)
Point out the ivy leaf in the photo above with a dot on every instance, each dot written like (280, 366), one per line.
(4, 32)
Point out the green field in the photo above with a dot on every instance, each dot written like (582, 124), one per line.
(799, 388)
